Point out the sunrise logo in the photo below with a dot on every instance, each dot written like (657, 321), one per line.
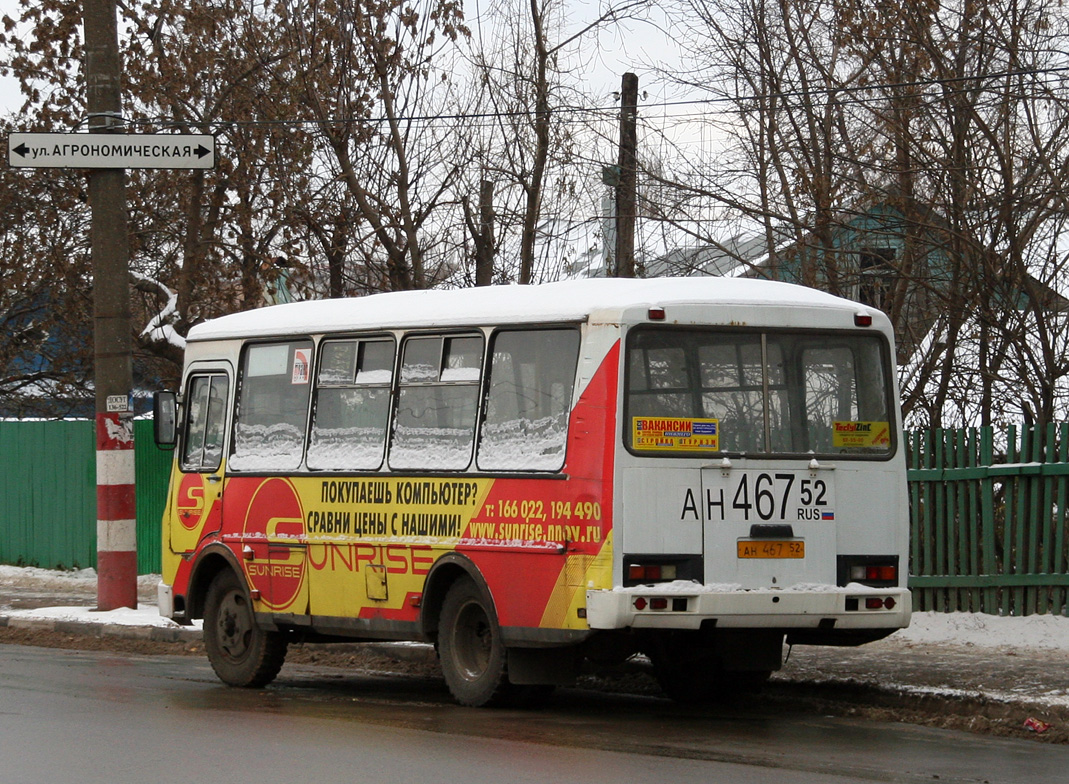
(277, 571)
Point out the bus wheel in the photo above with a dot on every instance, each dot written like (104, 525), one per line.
(241, 653)
(469, 644)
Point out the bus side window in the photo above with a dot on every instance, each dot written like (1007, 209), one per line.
(532, 375)
(205, 420)
(352, 405)
(434, 427)
(272, 407)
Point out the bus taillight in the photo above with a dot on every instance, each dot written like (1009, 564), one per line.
(661, 568)
(880, 603)
(651, 573)
(876, 571)
(870, 573)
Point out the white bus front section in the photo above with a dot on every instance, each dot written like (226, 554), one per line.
(770, 543)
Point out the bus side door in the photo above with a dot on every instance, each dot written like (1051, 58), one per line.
(263, 511)
(196, 504)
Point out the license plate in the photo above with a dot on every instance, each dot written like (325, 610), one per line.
(768, 496)
(771, 548)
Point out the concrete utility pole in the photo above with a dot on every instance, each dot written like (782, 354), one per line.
(484, 243)
(626, 198)
(116, 508)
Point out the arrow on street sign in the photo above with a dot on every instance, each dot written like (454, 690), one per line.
(110, 151)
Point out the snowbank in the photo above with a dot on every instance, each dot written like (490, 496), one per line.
(988, 631)
(45, 580)
(144, 615)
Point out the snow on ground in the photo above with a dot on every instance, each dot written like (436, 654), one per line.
(79, 583)
(45, 580)
(144, 615)
(1040, 632)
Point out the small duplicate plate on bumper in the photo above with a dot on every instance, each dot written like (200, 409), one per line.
(771, 548)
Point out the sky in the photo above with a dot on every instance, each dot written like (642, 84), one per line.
(631, 46)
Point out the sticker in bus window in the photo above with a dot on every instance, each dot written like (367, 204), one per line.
(302, 366)
(675, 434)
(860, 434)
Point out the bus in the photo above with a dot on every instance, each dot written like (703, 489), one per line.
(541, 479)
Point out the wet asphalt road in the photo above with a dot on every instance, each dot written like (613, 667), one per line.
(104, 717)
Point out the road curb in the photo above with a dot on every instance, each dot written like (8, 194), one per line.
(92, 629)
(398, 651)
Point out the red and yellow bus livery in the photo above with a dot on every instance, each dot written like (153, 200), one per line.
(536, 476)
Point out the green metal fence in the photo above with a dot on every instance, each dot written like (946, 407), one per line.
(48, 494)
(989, 520)
(988, 523)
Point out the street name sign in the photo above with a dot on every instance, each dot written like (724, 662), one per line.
(110, 151)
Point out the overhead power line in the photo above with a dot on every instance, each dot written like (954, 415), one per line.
(855, 94)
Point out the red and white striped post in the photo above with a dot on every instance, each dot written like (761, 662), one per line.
(116, 512)
(116, 528)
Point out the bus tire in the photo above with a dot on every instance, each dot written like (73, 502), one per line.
(472, 653)
(240, 652)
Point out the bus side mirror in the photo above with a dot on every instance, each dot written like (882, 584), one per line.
(165, 419)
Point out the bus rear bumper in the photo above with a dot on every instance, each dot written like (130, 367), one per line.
(653, 607)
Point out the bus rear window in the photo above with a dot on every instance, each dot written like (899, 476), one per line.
(692, 391)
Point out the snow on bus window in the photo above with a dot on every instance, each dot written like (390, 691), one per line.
(272, 407)
(463, 359)
(376, 362)
(349, 430)
(352, 408)
(532, 373)
(434, 426)
(338, 362)
(422, 359)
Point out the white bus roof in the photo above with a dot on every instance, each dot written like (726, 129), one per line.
(573, 300)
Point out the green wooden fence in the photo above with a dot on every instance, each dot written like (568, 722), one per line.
(989, 520)
(988, 527)
(48, 494)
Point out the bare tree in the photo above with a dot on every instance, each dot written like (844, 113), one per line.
(368, 77)
(212, 237)
(45, 310)
(934, 129)
(526, 67)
